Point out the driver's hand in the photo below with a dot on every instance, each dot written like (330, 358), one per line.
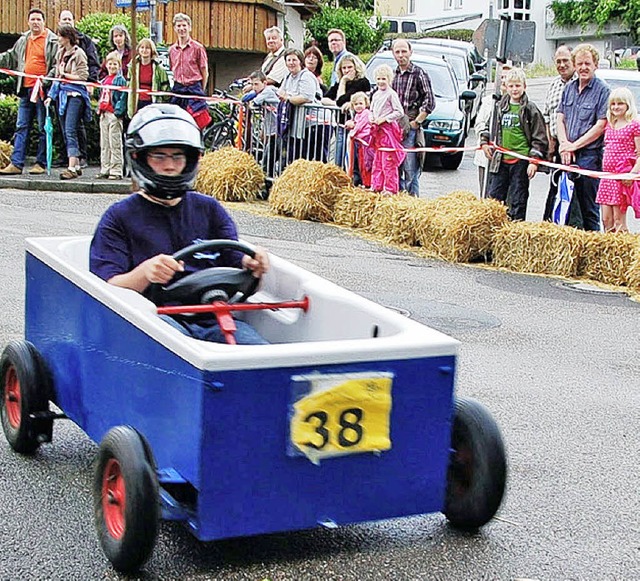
(258, 265)
(161, 268)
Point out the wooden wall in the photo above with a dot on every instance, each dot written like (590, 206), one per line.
(234, 25)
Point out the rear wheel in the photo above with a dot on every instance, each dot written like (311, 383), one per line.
(25, 392)
(477, 473)
(126, 499)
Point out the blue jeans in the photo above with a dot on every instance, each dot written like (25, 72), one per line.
(26, 112)
(586, 188)
(511, 186)
(340, 143)
(71, 122)
(245, 334)
(410, 169)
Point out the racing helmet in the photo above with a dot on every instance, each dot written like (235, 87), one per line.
(163, 125)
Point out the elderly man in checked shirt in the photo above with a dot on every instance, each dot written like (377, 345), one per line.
(414, 89)
(566, 72)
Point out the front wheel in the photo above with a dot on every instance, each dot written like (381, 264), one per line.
(126, 499)
(25, 392)
(477, 473)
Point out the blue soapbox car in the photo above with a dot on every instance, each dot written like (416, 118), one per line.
(348, 415)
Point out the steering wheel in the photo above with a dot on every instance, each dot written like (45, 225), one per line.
(219, 283)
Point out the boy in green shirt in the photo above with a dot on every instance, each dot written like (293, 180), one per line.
(522, 130)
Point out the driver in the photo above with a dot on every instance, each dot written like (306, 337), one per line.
(134, 241)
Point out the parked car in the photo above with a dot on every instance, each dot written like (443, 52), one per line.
(631, 52)
(480, 63)
(621, 78)
(403, 25)
(463, 69)
(446, 126)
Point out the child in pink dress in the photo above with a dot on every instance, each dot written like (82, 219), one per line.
(386, 109)
(360, 130)
(621, 155)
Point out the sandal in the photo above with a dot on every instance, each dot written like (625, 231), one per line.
(68, 174)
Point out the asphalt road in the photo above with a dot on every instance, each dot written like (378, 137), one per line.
(557, 367)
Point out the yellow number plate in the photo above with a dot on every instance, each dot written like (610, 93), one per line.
(343, 414)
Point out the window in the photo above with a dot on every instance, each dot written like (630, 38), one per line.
(448, 4)
(409, 27)
(412, 7)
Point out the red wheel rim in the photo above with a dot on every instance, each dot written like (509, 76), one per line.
(12, 397)
(113, 499)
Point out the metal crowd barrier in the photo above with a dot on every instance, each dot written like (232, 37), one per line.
(316, 133)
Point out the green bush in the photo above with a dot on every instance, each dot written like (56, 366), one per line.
(360, 36)
(98, 25)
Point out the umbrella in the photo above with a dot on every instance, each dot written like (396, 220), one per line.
(48, 129)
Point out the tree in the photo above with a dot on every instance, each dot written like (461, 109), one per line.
(361, 37)
(598, 12)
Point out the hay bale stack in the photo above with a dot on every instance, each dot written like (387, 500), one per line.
(230, 175)
(633, 276)
(6, 149)
(539, 248)
(459, 227)
(307, 190)
(354, 207)
(393, 219)
(608, 258)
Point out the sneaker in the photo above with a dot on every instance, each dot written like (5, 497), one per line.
(115, 177)
(68, 174)
(78, 170)
(37, 169)
(102, 176)
(83, 163)
(11, 170)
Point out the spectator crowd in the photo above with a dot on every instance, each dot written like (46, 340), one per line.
(372, 132)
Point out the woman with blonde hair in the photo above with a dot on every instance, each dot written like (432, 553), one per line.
(151, 76)
(352, 79)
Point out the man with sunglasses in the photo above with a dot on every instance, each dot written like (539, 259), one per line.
(136, 237)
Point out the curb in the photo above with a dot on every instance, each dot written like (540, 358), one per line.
(23, 182)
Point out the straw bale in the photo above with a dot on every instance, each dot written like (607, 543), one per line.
(634, 272)
(607, 257)
(459, 227)
(230, 175)
(354, 207)
(540, 248)
(307, 190)
(6, 149)
(393, 218)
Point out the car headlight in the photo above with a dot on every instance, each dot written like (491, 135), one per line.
(445, 125)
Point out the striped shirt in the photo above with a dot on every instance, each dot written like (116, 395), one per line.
(414, 90)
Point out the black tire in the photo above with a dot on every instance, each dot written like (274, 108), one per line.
(25, 389)
(452, 160)
(477, 473)
(126, 499)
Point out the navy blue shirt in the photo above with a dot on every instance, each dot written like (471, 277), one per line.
(135, 229)
(582, 110)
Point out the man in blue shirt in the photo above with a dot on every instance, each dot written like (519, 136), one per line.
(136, 237)
(337, 45)
(582, 116)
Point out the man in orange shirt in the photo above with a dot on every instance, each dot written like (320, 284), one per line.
(34, 53)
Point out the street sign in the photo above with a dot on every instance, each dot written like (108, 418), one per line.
(520, 42)
(141, 5)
